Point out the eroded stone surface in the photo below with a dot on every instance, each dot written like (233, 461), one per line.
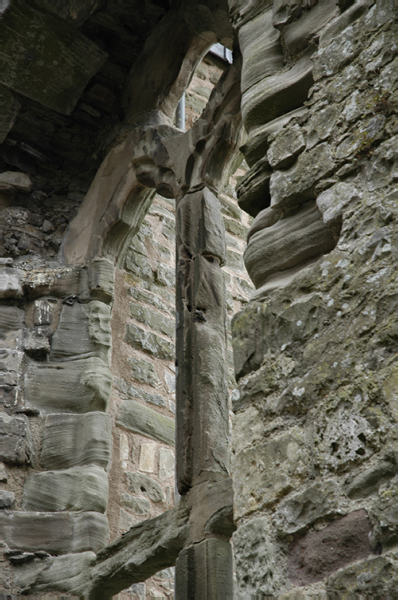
(297, 184)
(15, 439)
(141, 419)
(56, 533)
(255, 557)
(70, 386)
(320, 553)
(293, 240)
(75, 489)
(75, 440)
(272, 469)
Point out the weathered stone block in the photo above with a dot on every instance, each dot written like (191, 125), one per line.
(375, 577)
(7, 499)
(286, 244)
(339, 24)
(166, 464)
(153, 319)
(10, 284)
(298, 34)
(9, 108)
(253, 189)
(298, 511)
(265, 218)
(320, 553)
(56, 533)
(145, 549)
(11, 318)
(101, 279)
(271, 470)
(382, 169)
(259, 141)
(165, 275)
(147, 458)
(36, 343)
(205, 571)
(83, 329)
(366, 483)
(336, 54)
(278, 94)
(332, 202)
(132, 391)
(139, 505)
(255, 555)
(261, 49)
(248, 339)
(344, 440)
(15, 440)
(75, 489)
(297, 184)
(19, 181)
(385, 510)
(286, 147)
(143, 371)
(40, 36)
(211, 508)
(321, 125)
(149, 342)
(200, 224)
(145, 421)
(75, 440)
(68, 574)
(72, 386)
(138, 483)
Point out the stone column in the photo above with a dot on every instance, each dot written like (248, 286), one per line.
(204, 569)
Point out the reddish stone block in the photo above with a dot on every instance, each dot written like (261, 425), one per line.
(319, 553)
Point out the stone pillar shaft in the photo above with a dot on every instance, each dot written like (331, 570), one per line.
(202, 391)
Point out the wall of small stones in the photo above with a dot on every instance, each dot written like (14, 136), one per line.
(314, 436)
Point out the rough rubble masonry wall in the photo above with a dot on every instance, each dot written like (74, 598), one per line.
(315, 426)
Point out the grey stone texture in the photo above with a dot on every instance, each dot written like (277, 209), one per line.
(296, 185)
(297, 238)
(144, 550)
(149, 342)
(208, 565)
(55, 533)
(10, 284)
(255, 559)
(139, 483)
(81, 385)
(74, 489)
(76, 440)
(203, 430)
(66, 574)
(141, 419)
(16, 440)
(143, 371)
(83, 329)
(313, 349)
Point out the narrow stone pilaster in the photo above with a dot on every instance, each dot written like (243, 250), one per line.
(204, 569)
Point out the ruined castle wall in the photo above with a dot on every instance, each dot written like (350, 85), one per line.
(89, 379)
(315, 425)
